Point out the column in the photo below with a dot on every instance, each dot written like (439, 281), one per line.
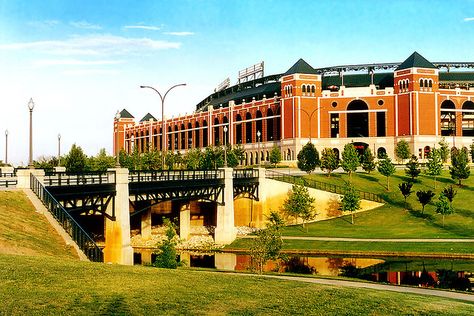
(225, 261)
(225, 230)
(185, 221)
(23, 177)
(117, 233)
(146, 224)
(260, 206)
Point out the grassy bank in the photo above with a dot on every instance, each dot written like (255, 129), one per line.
(51, 285)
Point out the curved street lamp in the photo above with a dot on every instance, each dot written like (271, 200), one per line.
(163, 129)
(31, 106)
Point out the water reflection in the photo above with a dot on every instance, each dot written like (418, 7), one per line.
(440, 273)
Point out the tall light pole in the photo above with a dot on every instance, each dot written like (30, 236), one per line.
(258, 147)
(6, 147)
(225, 146)
(117, 159)
(309, 118)
(31, 106)
(163, 129)
(59, 150)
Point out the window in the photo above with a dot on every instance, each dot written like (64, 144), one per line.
(380, 102)
(421, 83)
(304, 89)
(334, 125)
(313, 89)
(334, 104)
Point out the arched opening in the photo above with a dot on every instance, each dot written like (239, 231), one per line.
(161, 138)
(204, 134)
(360, 147)
(336, 153)
(251, 159)
(448, 118)
(426, 151)
(226, 134)
(190, 135)
(381, 152)
(216, 132)
(269, 125)
(313, 89)
(147, 140)
(468, 118)
(277, 121)
(421, 83)
(238, 130)
(304, 89)
(248, 128)
(197, 138)
(183, 137)
(259, 125)
(357, 121)
(169, 138)
(176, 135)
(288, 154)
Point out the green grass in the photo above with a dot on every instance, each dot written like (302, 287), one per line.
(60, 286)
(392, 220)
(24, 231)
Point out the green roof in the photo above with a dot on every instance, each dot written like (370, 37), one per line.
(125, 114)
(381, 80)
(464, 76)
(300, 67)
(415, 60)
(148, 117)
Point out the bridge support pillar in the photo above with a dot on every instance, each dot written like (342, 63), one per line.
(185, 221)
(260, 206)
(226, 232)
(117, 233)
(225, 261)
(146, 224)
(23, 177)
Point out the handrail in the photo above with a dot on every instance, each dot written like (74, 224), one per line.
(334, 188)
(78, 178)
(245, 173)
(7, 174)
(174, 175)
(79, 235)
(8, 182)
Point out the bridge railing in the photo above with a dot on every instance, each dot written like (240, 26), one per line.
(82, 239)
(245, 173)
(334, 188)
(8, 179)
(80, 178)
(174, 175)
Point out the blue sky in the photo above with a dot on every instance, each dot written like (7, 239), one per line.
(80, 61)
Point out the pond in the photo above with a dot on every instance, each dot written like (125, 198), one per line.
(441, 273)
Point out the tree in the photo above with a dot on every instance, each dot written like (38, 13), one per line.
(459, 169)
(443, 206)
(443, 150)
(275, 155)
(299, 203)
(413, 168)
(386, 168)
(212, 158)
(151, 160)
(402, 150)
(102, 161)
(167, 257)
(405, 189)
(268, 244)
(449, 193)
(329, 161)
(434, 165)
(424, 197)
(75, 160)
(471, 148)
(191, 159)
(350, 159)
(234, 155)
(368, 161)
(308, 158)
(350, 201)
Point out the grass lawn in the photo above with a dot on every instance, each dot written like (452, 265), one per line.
(392, 220)
(61, 286)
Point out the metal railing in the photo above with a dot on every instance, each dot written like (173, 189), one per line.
(63, 178)
(334, 188)
(245, 173)
(79, 235)
(7, 174)
(174, 175)
(8, 182)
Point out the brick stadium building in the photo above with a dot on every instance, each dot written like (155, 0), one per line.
(372, 105)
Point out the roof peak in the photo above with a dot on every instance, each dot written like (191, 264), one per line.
(125, 114)
(415, 60)
(301, 67)
(148, 117)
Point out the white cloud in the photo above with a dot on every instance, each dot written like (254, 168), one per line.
(468, 19)
(93, 45)
(85, 25)
(143, 27)
(179, 33)
(75, 62)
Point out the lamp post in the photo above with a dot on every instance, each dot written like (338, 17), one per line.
(310, 116)
(258, 147)
(117, 158)
(225, 146)
(31, 106)
(59, 150)
(6, 147)
(163, 129)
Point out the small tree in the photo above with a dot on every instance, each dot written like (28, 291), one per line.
(329, 161)
(471, 148)
(443, 150)
(434, 164)
(449, 193)
(268, 244)
(192, 158)
(405, 189)
(368, 161)
(75, 160)
(299, 203)
(350, 159)
(350, 201)
(275, 155)
(167, 257)
(308, 158)
(402, 150)
(443, 206)
(413, 168)
(386, 168)
(459, 169)
(424, 197)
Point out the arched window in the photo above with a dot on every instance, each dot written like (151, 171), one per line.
(430, 83)
(204, 134)
(248, 128)
(448, 118)
(426, 151)
(259, 126)
(190, 135)
(426, 83)
(277, 122)
(468, 118)
(270, 125)
(357, 122)
(216, 132)
(303, 88)
(168, 138)
(421, 83)
(182, 137)
(176, 137)
(313, 89)
(197, 135)
(336, 153)
(381, 153)
(238, 129)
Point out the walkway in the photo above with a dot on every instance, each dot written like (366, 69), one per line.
(434, 240)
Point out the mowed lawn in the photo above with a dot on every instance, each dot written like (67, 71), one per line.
(392, 220)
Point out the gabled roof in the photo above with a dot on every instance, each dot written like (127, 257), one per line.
(125, 114)
(147, 117)
(300, 67)
(415, 60)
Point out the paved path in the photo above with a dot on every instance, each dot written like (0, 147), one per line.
(372, 286)
(434, 240)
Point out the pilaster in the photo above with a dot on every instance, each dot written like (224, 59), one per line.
(226, 232)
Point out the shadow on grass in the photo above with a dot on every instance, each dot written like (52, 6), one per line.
(418, 214)
(368, 177)
(116, 306)
(464, 213)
